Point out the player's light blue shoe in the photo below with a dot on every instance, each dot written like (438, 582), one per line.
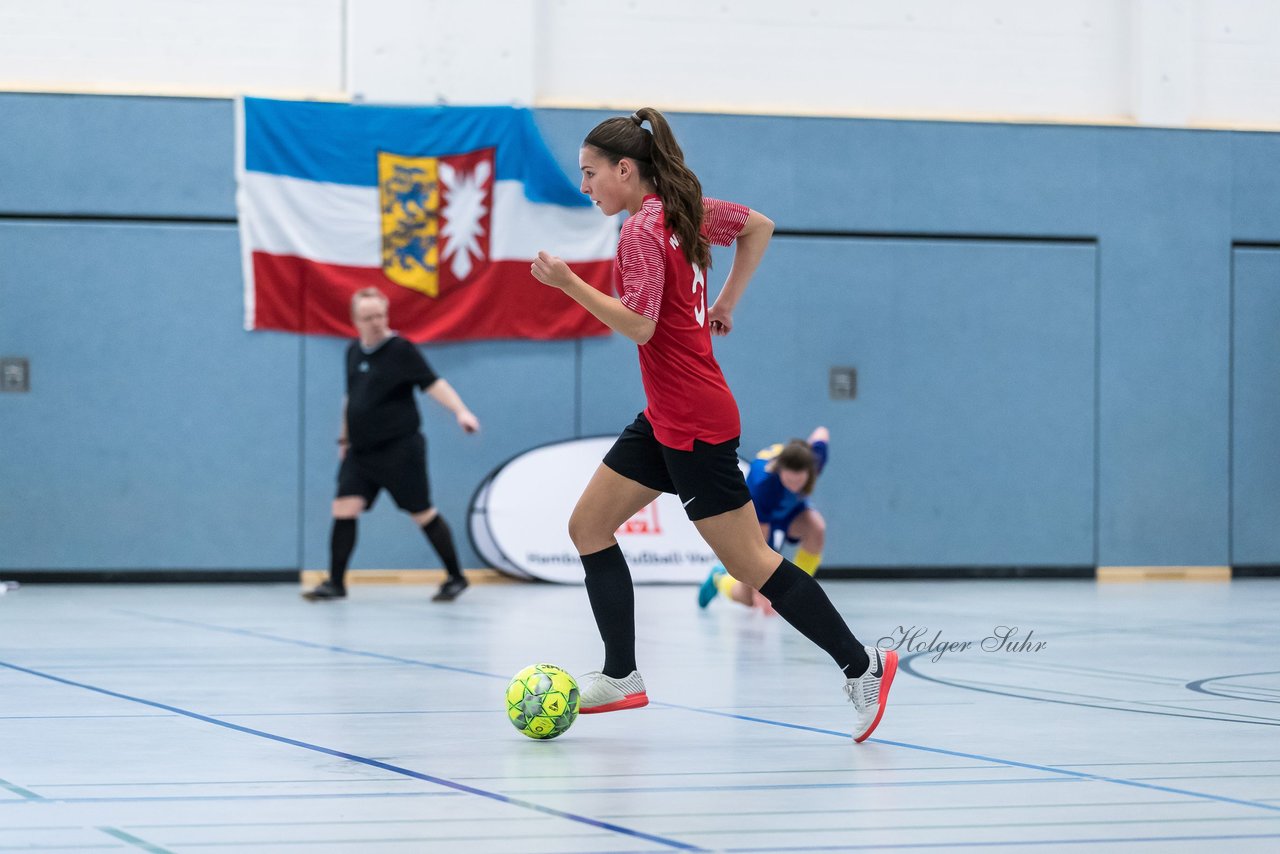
(708, 590)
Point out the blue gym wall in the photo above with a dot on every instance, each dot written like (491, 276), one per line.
(1065, 340)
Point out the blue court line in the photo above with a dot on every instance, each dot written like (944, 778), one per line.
(178, 784)
(1074, 670)
(70, 718)
(776, 787)
(105, 846)
(843, 810)
(883, 809)
(405, 712)
(1011, 763)
(1222, 717)
(401, 660)
(1097, 778)
(1171, 762)
(310, 644)
(1260, 695)
(1198, 686)
(249, 714)
(344, 822)
(364, 760)
(904, 663)
(423, 843)
(1004, 843)
(100, 785)
(1162, 823)
(1207, 777)
(144, 799)
(737, 773)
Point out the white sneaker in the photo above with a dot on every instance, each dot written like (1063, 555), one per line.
(606, 694)
(870, 691)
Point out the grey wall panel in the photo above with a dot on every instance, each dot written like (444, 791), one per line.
(1255, 187)
(157, 433)
(1255, 496)
(970, 441)
(612, 393)
(119, 156)
(864, 175)
(1164, 348)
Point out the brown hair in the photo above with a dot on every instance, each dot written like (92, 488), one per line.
(660, 159)
(796, 455)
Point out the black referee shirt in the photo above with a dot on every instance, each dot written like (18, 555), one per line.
(380, 402)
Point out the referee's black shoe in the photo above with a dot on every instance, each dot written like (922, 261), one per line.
(325, 591)
(451, 589)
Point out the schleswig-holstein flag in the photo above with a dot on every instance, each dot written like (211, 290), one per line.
(443, 208)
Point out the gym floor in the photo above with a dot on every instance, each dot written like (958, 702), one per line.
(1133, 717)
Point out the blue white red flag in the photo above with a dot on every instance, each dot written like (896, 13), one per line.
(442, 208)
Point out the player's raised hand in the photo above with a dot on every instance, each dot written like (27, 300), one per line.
(550, 270)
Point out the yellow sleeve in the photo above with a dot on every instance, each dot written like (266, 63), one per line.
(770, 452)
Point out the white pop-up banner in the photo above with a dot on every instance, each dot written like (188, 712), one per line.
(519, 520)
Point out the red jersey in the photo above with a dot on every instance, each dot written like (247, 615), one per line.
(687, 396)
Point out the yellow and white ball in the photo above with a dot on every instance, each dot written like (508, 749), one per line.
(542, 701)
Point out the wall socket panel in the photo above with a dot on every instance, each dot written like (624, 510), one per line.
(843, 383)
(15, 374)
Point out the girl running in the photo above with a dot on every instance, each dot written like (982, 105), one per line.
(685, 441)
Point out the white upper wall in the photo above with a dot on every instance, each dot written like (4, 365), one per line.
(442, 51)
(1163, 62)
(992, 58)
(203, 47)
(1236, 80)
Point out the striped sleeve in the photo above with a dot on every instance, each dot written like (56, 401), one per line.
(723, 221)
(641, 263)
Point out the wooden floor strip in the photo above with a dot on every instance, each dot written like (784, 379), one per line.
(1163, 573)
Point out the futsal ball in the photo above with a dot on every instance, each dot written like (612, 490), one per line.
(542, 701)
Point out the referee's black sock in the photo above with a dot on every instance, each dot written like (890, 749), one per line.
(441, 539)
(804, 604)
(342, 540)
(613, 602)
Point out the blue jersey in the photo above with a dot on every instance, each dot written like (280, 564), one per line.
(776, 505)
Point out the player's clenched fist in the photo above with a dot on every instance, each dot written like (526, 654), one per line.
(550, 270)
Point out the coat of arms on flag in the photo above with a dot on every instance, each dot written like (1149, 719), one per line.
(435, 210)
(443, 208)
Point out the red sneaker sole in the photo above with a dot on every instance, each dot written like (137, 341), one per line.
(631, 701)
(890, 670)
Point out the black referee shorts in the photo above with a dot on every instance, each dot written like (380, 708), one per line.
(707, 478)
(399, 467)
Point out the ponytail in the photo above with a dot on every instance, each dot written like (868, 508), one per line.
(660, 159)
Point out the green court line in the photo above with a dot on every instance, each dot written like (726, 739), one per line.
(135, 841)
(18, 790)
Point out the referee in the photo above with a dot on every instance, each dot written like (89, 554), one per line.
(381, 444)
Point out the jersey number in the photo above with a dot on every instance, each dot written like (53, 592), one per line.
(699, 300)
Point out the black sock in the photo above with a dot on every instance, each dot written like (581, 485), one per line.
(613, 602)
(441, 539)
(342, 541)
(804, 604)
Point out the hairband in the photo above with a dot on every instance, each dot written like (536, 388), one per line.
(635, 117)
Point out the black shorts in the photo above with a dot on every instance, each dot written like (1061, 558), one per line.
(707, 479)
(399, 467)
